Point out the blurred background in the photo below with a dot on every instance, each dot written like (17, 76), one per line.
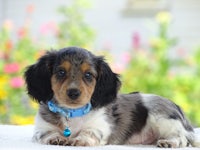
(153, 44)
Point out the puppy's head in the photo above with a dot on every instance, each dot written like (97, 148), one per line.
(72, 77)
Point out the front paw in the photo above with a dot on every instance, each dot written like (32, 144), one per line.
(79, 142)
(58, 140)
(166, 144)
(50, 138)
(82, 141)
(86, 138)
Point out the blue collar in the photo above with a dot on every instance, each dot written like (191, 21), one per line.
(68, 112)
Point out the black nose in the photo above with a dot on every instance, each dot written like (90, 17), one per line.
(73, 93)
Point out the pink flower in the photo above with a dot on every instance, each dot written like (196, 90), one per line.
(118, 67)
(126, 58)
(22, 32)
(181, 52)
(49, 27)
(30, 8)
(136, 40)
(11, 68)
(16, 82)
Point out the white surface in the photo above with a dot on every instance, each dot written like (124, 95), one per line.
(19, 138)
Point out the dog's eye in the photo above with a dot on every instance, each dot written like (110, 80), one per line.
(88, 76)
(61, 73)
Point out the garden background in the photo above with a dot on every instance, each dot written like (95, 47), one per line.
(158, 67)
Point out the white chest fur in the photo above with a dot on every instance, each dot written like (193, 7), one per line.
(96, 120)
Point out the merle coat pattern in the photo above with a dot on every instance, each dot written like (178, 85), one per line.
(134, 118)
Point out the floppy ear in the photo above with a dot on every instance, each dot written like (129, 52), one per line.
(38, 78)
(107, 84)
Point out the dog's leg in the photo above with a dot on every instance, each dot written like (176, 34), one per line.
(90, 137)
(173, 142)
(50, 138)
(47, 133)
(172, 133)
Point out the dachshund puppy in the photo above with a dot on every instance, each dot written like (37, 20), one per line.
(79, 105)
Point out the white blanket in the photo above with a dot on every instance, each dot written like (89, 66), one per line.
(19, 138)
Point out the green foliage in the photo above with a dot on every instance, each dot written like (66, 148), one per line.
(73, 30)
(153, 71)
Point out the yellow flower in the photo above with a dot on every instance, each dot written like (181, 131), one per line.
(3, 80)
(163, 17)
(3, 94)
(34, 104)
(3, 83)
(22, 120)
